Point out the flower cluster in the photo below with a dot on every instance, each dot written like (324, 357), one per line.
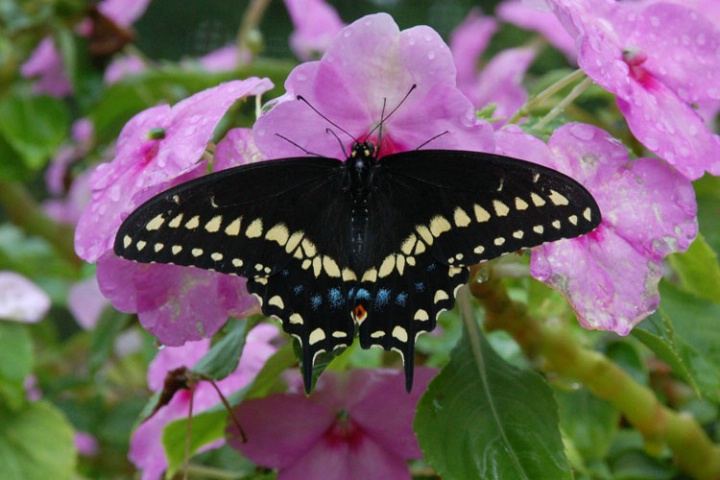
(401, 90)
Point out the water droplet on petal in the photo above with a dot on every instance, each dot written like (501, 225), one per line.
(431, 55)
(583, 132)
(655, 21)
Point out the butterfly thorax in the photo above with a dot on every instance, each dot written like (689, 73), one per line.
(359, 183)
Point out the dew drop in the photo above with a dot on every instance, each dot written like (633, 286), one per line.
(651, 144)
(583, 132)
(431, 55)
(655, 21)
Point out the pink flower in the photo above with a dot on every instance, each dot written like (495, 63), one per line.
(356, 425)
(658, 60)
(21, 300)
(86, 303)
(499, 82)
(146, 449)
(610, 276)
(45, 62)
(123, 66)
(533, 17)
(159, 148)
(316, 24)
(369, 68)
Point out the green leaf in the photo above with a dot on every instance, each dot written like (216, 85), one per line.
(483, 418)
(698, 270)
(590, 422)
(109, 326)
(205, 428)
(35, 125)
(696, 324)
(224, 356)
(36, 443)
(16, 360)
(657, 333)
(707, 193)
(269, 379)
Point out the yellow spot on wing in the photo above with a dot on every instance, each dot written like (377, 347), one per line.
(214, 224)
(279, 233)
(500, 208)
(400, 333)
(233, 229)
(461, 218)
(193, 223)
(155, 223)
(481, 215)
(558, 199)
(439, 225)
(175, 222)
(255, 229)
(317, 335)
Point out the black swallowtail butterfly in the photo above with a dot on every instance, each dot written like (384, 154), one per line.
(377, 246)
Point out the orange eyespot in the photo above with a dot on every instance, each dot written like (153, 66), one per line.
(359, 313)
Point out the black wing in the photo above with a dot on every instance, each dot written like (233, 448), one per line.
(433, 214)
(269, 222)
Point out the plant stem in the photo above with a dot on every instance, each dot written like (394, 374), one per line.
(23, 211)
(543, 96)
(692, 449)
(557, 109)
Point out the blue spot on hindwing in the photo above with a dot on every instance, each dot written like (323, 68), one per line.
(298, 289)
(431, 266)
(335, 298)
(382, 298)
(315, 302)
(420, 286)
(401, 299)
(363, 294)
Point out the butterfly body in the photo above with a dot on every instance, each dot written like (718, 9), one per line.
(368, 246)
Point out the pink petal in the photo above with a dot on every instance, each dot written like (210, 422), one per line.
(176, 304)
(610, 276)
(316, 24)
(143, 167)
(618, 285)
(360, 460)
(379, 404)
(668, 126)
(468, 41)
(21, 300)
(281, 429)
(682, 49)
(123, 12)
(500, 82)
(519, 13)
(86, 303)
(353, 94)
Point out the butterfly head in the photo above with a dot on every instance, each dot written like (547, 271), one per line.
(364, 150)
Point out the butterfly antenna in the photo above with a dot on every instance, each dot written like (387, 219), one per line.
(331, 131)
(431, 139)
(383, 118)
(302, 99)
(307, 152)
